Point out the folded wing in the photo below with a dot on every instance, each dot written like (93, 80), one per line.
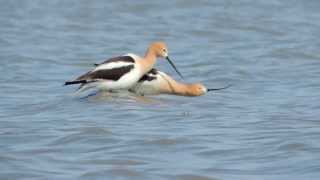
(112, 69)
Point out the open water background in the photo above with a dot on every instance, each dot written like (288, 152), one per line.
(266, 126)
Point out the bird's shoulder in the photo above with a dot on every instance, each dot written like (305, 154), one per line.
(117, 62)
(111, 69)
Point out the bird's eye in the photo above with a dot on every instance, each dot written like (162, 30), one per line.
(164, 50)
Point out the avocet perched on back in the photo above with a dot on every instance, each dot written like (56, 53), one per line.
(156, 82)
(122, 72)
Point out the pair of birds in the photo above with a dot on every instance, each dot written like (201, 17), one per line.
(136, 74)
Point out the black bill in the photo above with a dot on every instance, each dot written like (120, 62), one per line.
(174, 67)
(217, 89)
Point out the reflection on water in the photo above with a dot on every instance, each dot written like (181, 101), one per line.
(263, 127)
(119, 97)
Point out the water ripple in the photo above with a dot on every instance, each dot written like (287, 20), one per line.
(263, 127)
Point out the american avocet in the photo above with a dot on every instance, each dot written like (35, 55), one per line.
(157, 82)
(122, 72)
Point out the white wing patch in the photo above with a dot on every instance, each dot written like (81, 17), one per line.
(112, 65)
(117, 64)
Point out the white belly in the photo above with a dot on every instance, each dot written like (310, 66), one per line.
(125, 82)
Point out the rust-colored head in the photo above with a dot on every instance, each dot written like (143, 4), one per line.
(196, 89)
(159, 49)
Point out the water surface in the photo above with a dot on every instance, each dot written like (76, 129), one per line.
(266, 126)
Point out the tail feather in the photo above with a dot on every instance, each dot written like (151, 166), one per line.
(75, 82)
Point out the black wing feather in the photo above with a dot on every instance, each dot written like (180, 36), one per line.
(148, 76)
(117, 59)
(107, 74)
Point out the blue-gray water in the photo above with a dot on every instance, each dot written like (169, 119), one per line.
(266, 126)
